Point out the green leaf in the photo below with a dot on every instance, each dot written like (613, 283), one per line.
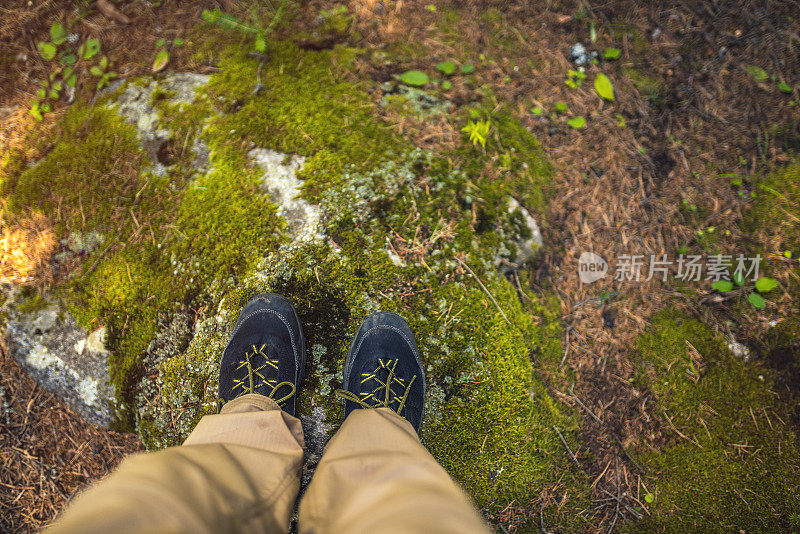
(71, 81)
(611, 53)
(53, 94)
(649, 498)
(756, 300)
(784, 87)
(537, 110)
(414, 78)
(446, 67)
(58, 86)
(757, 73)
(561, 107)
(738, 278)
(47, 50)
(764, 284)
(103, 62)
(45, 108)
(603, 87)
(446, 85)
(41, 94)
(260, 44)
(57, 34)
(35, 112)
(722, 286)
(466, 69)
(162, 58)
(68, 59)
(178, 41)
(96, 71)
(577, 122)
(160, 43)
(92, 48)
(431, 8)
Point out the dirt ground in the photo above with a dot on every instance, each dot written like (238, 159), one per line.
(693, 119)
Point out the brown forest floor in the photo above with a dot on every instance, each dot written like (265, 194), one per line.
(619, 190)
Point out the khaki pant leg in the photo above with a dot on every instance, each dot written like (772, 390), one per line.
(238, 471)
(375, 476)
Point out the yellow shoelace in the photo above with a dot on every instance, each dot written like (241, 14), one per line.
(256, 379)
(382, 396)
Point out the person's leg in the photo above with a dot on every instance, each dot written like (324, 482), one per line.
(238, 471)
(375, 475)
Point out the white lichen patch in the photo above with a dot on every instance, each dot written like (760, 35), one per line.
(279, 179)
(136, 101)
(40, 358)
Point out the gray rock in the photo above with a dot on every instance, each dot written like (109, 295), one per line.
(526, 238)
(62, 358)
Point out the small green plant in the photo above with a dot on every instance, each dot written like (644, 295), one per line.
(620, 121)
(446, 67)
(561, 107)
(575, 78)
(414, 78)
(447, 85)
(576, 122)
(723, 286)
(611, 53)
(649, 498)
(784, 87)
(604, 87)
(762, 285)
(101, 71)
(259, 34)
(71, 60)
(467, 68)
(537, 110)
(478, 131)
(162, 56)
(758, 74)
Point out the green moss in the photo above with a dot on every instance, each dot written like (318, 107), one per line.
(90, 180)
(735, 466)
(495, 431)
(33, 303)
(513, 153)
(647, 85)
(305, 108)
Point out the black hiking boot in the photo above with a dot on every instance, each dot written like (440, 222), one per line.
(266, 353)
(383, 369)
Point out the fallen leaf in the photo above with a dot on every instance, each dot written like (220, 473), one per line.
(162, 58)
(109, 10)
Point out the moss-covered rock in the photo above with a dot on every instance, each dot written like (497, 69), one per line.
(730, 459)
(186, 244)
